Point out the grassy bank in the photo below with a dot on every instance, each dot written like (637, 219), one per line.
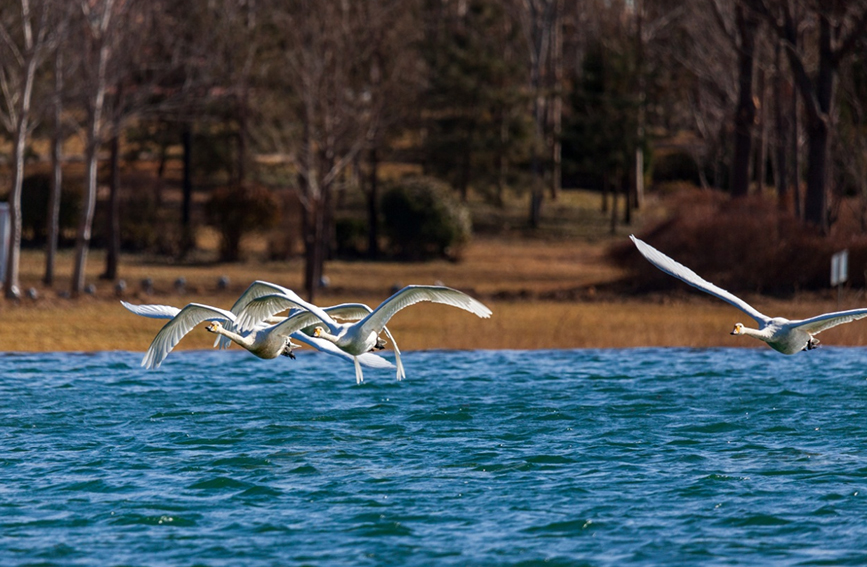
(543, 294)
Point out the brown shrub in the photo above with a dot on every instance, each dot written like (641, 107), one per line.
(743, 245)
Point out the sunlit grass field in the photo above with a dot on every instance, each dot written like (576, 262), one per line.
(515, 278)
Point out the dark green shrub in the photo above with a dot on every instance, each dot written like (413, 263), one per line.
(423, 219)
(238, 210)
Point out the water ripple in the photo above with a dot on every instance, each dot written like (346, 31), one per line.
(572, 457)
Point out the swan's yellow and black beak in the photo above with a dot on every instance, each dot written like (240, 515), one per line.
(738, 330)
(317, 332)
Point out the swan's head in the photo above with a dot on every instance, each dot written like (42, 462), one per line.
(317, 332)
(214, 327)
(739, 329)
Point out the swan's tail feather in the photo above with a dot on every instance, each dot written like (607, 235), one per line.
(359, 377)
(401, 373)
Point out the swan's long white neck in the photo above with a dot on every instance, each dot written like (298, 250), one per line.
(245, 342)
(760, 334)
(323, 334)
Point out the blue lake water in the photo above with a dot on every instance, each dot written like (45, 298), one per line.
(580, 457)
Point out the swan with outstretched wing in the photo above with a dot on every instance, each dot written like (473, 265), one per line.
(169, 312)
(783, 335)
(360, 336)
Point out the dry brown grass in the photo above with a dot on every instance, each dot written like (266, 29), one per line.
(510, 276)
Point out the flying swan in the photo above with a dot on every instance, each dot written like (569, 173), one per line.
(264, 342)
(783, 335)
(362, 336)
(370, 360)
(344, 311)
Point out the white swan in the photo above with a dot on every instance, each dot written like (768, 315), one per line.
(362, 336)
(168, 312)
(345, 311)
(783, 335)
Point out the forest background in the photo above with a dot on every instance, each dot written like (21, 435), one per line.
(197, 146)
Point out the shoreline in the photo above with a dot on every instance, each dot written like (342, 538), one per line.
(93, 325)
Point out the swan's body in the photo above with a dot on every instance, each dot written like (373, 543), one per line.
(265, 342)
(257, 311)
(362, 336)
(168, 312)
(782, 335)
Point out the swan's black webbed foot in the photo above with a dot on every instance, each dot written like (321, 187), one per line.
(811, 344)
(380, 344)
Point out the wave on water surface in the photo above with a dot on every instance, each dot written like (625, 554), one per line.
(598, 457)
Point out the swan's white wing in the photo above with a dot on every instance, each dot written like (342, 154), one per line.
(367, 359)
(684, 274)
(295, 323)
(349, 311)
(173, 331)
(152, 311)
(261, 308)
(256, 289)
(410, 295)
(815, 325)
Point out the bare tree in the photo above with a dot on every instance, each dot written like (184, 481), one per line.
(334, 109)
(53, 228)
(98, 27)
(25, 40)
(539, 19)
(841, 25)
(144, 80)
(742, 36)
(392, 83)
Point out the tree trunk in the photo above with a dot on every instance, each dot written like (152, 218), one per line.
(112, 256)
(746, 110)
(85, 224)
(556, 105)
(54, 197)
(536, 192)
(188, 240)
(614, 192)
(796, 155)
(314, 253)
(243, 111)
(761, 166)
(815, 200)
(604, 207)
(466, 167)
(372, 201)
(818, 131)
(502, 162)
(782, 136)
(11, 288)
(626, 182)
(187, 183)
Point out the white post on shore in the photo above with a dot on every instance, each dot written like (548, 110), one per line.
(839, 271)
(5, 235)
